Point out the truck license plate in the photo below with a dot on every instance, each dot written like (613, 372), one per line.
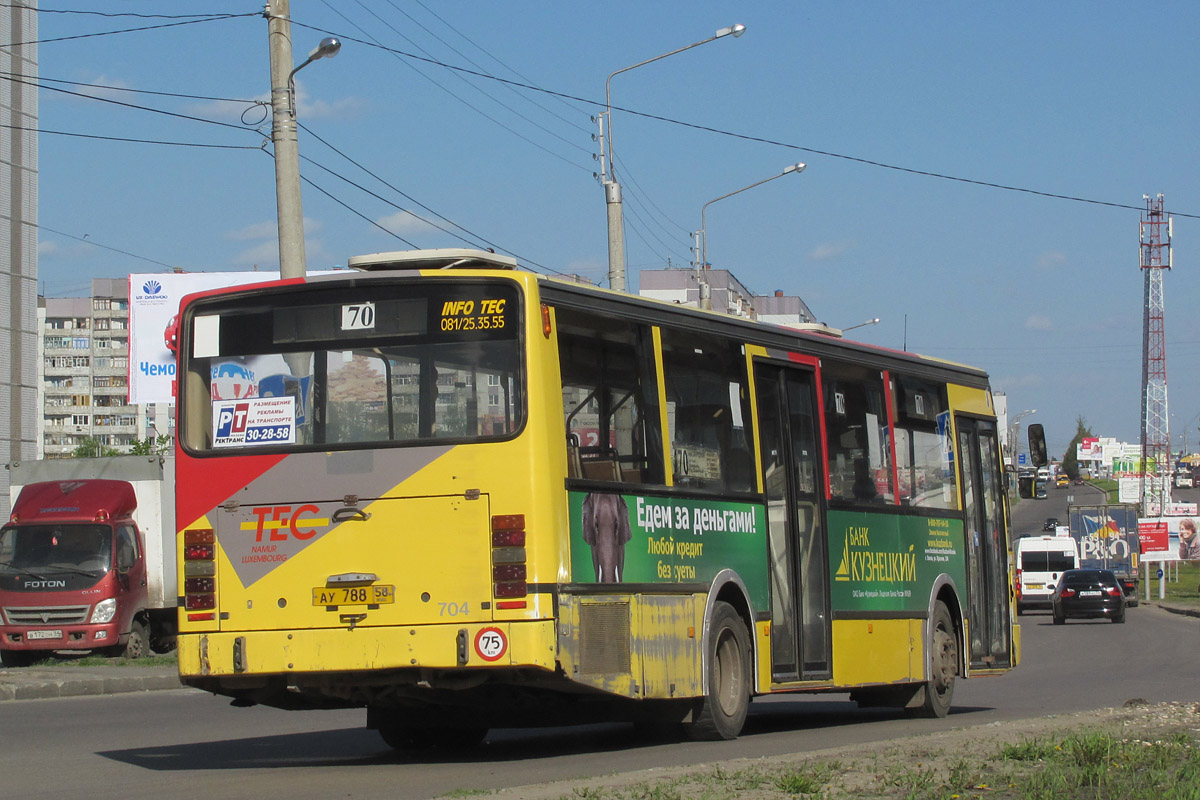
(54, 634)
(1034, 586)
(375, 594)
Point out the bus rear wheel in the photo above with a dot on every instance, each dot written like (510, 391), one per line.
(943, 665)
(722, 711)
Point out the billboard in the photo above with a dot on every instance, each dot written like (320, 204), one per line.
(1169, 538)
(153, 301)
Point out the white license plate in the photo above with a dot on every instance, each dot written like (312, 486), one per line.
(1089, 594)
(55, 634)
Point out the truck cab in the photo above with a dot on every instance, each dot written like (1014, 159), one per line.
(72, 572)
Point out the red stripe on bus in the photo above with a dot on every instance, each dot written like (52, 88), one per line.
(212, 481)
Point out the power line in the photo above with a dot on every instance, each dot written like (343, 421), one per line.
(212, 18)
(132, 141)
(86, 240)
(413, 200)
(476, 109)
(756, 139)
(40, 79)
(131, 105)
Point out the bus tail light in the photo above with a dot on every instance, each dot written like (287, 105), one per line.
(508, 561)
(199, 574)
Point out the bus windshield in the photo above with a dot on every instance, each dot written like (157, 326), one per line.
(367, 364)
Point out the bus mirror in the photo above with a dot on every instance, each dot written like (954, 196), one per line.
(1037, 445)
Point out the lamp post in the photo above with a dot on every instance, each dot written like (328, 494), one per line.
(1014, 430)
(283, 134)
(874, 321)
(608, 174)
(702, 235)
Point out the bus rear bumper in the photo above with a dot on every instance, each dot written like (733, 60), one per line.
(246, 654)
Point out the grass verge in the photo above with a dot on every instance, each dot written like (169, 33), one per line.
(1146, 752)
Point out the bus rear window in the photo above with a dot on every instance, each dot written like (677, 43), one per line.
(1046, 561)
(353, 363)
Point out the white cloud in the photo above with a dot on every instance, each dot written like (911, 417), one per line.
(269, 230)
(306, 108)
(1011, 383)
(1052, 259)
(259, 230)
(1037, 322)
(829, 251)
(265, 255)
(403, 222)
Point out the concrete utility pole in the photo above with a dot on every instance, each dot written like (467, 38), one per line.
(608, 173)
(283, 140)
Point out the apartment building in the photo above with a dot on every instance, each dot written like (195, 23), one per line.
(727, 293)
(84, 387)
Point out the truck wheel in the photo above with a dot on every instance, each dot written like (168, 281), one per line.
(723, 709)
(943, 663)
(19, 658)
(138, 644)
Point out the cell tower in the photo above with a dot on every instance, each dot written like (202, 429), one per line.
(1156, 256)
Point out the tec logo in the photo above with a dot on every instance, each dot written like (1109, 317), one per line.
(280, 521)
(233, 420)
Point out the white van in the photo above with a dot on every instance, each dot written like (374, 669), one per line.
(1040, 560)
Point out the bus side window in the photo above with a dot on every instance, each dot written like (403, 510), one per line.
(707, 411)
(923, 454)
(610, 398)
(856, 427)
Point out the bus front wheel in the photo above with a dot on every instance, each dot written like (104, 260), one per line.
(722, 710)
(943, 664)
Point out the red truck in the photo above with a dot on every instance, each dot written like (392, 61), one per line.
(85, 557)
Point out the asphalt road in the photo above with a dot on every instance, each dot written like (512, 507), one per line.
(171, 743)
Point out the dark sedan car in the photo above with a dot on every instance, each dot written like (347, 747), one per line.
(1088, 593)
(1050, 524)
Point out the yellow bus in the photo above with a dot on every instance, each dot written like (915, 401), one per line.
(463, 496)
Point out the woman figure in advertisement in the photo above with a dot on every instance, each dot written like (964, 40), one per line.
(1189, 542)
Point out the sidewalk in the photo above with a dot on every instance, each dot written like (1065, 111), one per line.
(37, 683)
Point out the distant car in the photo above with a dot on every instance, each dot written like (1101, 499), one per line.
(1062, 480)
(1050, 524)
(1087, 593)
(1079, 481)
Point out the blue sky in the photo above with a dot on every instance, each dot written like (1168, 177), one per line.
(1092, 100)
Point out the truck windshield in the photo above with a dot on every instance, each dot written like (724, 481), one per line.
(354, 363)
(43, 550)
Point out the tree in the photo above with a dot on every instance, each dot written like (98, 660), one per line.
(149, 446)
(91, 447)
(1070, 465)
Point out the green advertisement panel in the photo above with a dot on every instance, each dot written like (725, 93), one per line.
(886, 562)
(625, 538)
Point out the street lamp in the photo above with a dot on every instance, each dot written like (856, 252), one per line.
(608, 173)
(701, 235)
(874, 321)
(289, 211)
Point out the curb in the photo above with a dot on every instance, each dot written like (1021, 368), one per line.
(1187, 612)
(44, 684)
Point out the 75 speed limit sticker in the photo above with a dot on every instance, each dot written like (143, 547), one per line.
(491, 644)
